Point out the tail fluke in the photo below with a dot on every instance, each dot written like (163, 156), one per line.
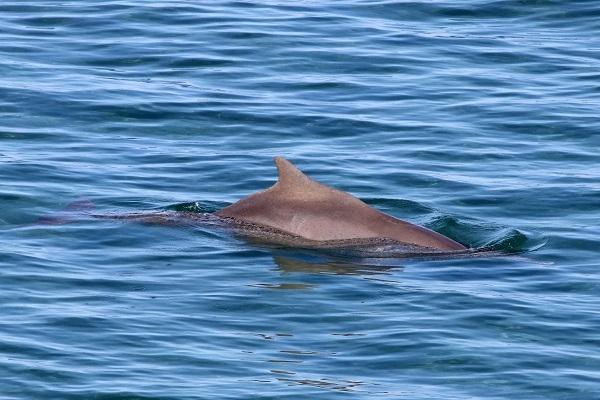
(75, 209)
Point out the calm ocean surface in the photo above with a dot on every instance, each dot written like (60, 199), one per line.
(479, 119)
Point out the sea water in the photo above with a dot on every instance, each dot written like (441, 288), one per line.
(478, 119)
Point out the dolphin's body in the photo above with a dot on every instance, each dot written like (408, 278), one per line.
(299, 212)
(319, 222)
(310, 210)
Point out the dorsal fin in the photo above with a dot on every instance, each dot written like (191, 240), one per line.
(291, 178)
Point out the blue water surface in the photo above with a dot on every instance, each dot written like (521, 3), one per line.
(478, 119)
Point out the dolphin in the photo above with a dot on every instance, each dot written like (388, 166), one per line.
(298, 212)
(305, 208)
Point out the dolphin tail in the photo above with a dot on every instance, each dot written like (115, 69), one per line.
(77, 208)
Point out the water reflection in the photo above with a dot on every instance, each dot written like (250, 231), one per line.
(285, 286)
(290, 265)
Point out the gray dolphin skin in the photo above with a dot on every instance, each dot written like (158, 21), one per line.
(302, 207)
